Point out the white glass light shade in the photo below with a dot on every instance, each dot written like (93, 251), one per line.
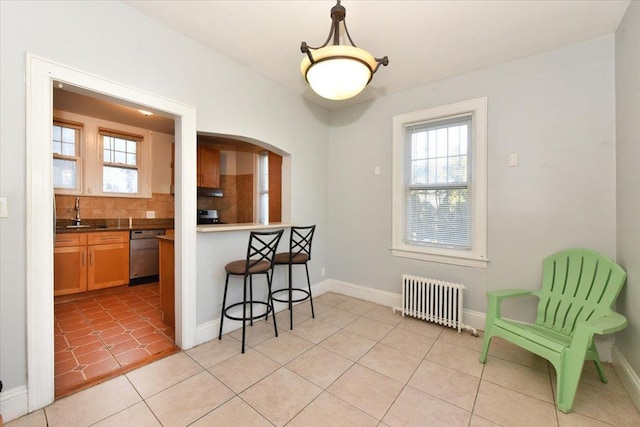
(338, 71)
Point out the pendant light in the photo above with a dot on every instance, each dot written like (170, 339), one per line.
(338, 71)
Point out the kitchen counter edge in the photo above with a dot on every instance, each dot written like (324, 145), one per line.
(60, 230)
(216, 228)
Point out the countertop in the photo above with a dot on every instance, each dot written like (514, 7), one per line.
(99, 225)
(204, 228)
(216, 228)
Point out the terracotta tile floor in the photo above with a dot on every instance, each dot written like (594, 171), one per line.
(101, 336)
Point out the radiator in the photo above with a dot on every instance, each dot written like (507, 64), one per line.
(433, 300)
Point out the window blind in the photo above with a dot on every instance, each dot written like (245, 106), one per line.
(438, 183)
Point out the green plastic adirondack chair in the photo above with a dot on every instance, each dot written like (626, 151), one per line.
(578, 288)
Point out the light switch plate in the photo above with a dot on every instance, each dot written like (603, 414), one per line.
(4, 210)
(513, 159)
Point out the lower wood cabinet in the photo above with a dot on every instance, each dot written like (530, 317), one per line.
(70, 263)
(89, 261)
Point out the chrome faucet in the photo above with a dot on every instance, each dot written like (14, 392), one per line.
(76, 220)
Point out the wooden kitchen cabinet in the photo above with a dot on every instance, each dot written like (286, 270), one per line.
(70, 264)
(89, 261)
(167, 280)
(108, 254)
(208, 167)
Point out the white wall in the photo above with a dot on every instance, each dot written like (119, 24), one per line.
(143, 54)
(161, 146)
(227, 162)
(628, 176)
(556, 110)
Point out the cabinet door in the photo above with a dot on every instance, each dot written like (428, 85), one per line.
(69, 270)
(167, 283)
(208, 167)
(108, 265)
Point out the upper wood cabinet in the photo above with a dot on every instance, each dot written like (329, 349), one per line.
(208, 167)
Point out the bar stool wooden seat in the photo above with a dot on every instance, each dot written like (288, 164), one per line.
(260, 260)
(299, 253)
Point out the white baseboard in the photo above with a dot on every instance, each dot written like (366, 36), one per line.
(209, 330)
(471, 318)
(14, 403)
(629, 377)
(377, 296)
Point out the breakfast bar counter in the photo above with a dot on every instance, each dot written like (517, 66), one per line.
(215, 228)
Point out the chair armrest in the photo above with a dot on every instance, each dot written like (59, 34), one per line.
(495, 299)
(607, 324)
(502, 294)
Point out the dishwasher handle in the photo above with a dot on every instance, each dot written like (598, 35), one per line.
(146, 234)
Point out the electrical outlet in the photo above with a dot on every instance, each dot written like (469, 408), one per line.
(322, 272)
(151, 214)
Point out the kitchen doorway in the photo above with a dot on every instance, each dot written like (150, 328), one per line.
(41, 75)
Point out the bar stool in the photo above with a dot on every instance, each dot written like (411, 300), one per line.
(260, 256)
(299, 253)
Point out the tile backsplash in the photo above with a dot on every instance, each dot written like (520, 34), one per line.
(115, 207)
(236, 204)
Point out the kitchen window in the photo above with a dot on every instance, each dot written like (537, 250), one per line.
(439, 190)
(66, 141)
(90, 159)
(119, 162)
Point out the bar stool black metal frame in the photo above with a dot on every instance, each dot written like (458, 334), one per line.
(299, 253)
(260, 260)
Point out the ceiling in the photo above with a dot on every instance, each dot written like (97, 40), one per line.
(425, 41)
(75, 100)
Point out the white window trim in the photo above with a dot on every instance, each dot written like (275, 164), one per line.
(78, 158)
(92, 158)
(143, 166)
(477, 257)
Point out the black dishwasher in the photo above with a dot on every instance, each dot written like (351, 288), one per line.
(143, 256)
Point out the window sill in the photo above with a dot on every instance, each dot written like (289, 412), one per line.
(461, 260)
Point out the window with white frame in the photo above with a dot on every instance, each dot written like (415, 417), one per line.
(92, 160)
(66, 140)
(439, 190)
(120, 162)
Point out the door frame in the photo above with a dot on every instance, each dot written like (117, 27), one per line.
(40, 76)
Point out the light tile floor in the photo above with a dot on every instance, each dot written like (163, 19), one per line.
(356, 364)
